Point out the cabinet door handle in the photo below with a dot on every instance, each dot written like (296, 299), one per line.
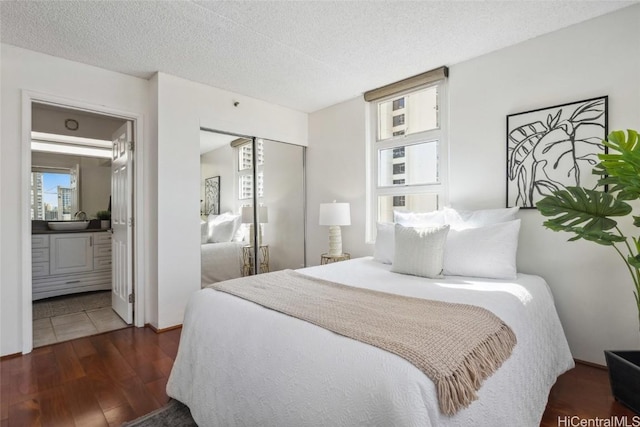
(90, 240)
(72, 281)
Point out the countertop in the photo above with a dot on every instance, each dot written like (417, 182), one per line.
(40, 227)
(86, 230)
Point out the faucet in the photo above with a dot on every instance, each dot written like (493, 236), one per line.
(80, 215)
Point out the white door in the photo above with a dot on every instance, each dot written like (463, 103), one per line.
(122, 222)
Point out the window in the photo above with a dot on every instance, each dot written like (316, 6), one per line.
(407, 154)
(52, 194)
(245, 170)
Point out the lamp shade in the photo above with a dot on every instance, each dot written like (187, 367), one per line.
(335, 214)
(247, 214)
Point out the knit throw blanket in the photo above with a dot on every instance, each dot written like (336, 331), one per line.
(456, 345)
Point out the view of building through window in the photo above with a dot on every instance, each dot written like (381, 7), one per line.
(51, 196)
(407, 153)
(245, 172)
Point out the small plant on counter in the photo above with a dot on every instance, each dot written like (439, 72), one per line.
(103, 215)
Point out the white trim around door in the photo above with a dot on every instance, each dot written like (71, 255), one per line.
(28, 98)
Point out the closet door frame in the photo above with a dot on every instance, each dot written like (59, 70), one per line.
(254, 165)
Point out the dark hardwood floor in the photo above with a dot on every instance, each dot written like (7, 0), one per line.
(101, 380)
(584, 392)
(107, 379)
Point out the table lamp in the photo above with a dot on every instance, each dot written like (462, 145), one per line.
(247, 218)
(334, 215)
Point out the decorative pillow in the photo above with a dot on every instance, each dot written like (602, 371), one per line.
(419, 251)
(385, 241)
(461, 220)
(488, 251)
(419, 219)
(223, 228)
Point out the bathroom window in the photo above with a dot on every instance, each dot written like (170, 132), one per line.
(54, 193)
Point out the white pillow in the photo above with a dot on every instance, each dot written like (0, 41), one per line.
(461, 220)
(488, 251)
(211, 221)
(240, 233)
(204, 232)
(420, 219)
(223, 228)
(419, 251)
(385, 241)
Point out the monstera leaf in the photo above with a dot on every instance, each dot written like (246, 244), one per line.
(621, 169)
(585, 213)
(588, 214)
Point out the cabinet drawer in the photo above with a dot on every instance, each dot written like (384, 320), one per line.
(102, 238)
(102, 263)
(51, 286)
(40, 255)
(40, 269)
(40, 241)
(101, 251)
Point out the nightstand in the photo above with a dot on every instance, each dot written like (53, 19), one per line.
(247, 259)
(328, 259)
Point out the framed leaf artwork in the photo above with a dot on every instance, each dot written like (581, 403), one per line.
(212, 195)
(553, 148)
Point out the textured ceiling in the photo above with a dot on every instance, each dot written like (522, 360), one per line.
(305, 55)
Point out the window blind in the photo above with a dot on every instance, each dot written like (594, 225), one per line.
(407, 84)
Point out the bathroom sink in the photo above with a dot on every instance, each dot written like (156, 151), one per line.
(68, 225)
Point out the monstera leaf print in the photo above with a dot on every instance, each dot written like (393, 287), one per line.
(559, 150)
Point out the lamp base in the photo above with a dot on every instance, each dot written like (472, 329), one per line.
(335, 240)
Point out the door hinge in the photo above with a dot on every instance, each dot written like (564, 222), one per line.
(131, 298)
(131, 145)
(131, 222)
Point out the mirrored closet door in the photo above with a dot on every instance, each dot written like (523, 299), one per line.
(252, 206)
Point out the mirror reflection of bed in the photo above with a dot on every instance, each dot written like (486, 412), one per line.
(245, 217)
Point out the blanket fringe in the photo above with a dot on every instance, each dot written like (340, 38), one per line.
(458, 389)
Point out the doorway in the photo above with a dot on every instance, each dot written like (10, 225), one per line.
(95, 204)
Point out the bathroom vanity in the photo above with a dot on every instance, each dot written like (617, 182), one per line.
(70, 262)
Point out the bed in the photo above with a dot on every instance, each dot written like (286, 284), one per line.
(241, 364)
(220, 261)
(221, 243)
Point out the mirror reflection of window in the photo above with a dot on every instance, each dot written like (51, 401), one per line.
(245, 169)
(52, 195)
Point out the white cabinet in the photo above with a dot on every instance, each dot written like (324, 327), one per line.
(66, 263)
(70, 253)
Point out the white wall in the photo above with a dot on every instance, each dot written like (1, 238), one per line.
(600, 57)
(336, 171)
(182, 107)
(26, 70)
(592, 290)
(220, 162)
(47, 119)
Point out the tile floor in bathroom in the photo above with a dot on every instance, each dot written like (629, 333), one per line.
(51, 330)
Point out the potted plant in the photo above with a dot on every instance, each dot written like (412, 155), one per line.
(105, 219)
(592, 214)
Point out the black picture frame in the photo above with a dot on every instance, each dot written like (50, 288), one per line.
(212, 195)
(552, 148)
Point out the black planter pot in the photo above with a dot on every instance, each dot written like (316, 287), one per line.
(624, 375)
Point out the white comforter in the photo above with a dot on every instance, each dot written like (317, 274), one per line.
(220, 261)
(240, 364)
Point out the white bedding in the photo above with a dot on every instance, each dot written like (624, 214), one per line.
(240, 364)
(220, 261)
